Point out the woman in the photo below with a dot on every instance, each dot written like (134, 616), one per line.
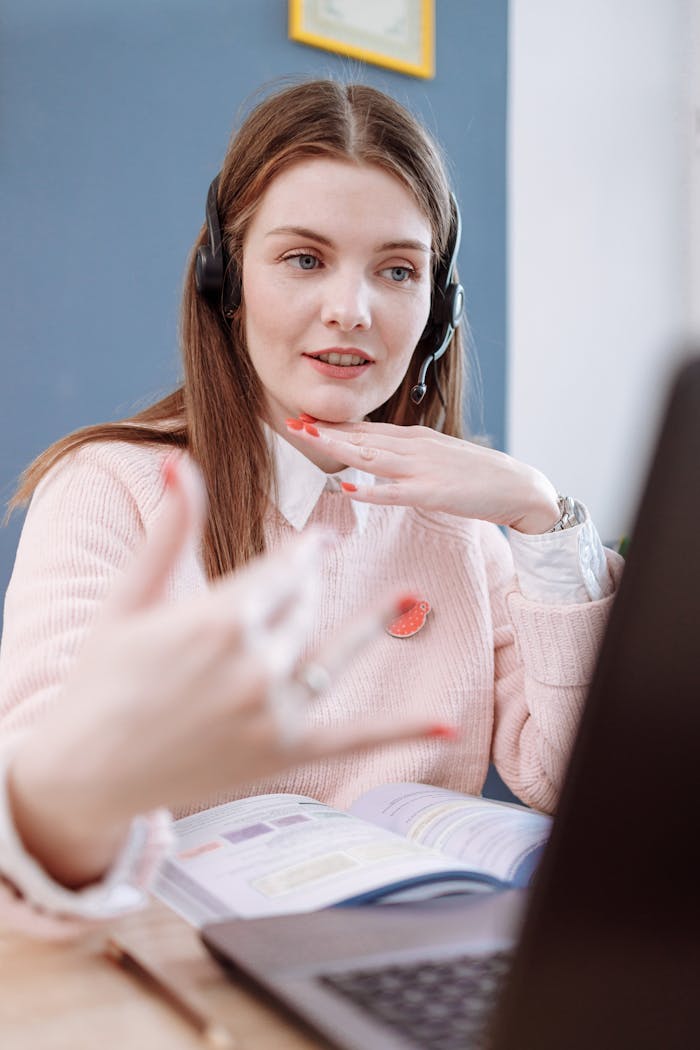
(319, 303)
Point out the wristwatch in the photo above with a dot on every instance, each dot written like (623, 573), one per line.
(568, 517)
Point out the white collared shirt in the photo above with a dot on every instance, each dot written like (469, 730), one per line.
(300, 483)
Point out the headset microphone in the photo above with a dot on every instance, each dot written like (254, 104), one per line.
(446, 308)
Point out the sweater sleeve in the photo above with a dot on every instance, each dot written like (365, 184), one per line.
(544, 656)
(84, 522)
(33, 903)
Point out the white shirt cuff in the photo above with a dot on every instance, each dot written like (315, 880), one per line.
(564, 567)
(123, 887)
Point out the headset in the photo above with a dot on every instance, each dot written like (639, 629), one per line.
(446, 307)
(218, 282)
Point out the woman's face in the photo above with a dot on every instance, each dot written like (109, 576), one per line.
(336, 289)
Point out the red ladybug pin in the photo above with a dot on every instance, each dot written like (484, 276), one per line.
(410, 622)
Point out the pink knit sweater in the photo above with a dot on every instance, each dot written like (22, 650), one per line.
(511, 671)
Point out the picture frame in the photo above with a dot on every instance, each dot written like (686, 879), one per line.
(397, 34)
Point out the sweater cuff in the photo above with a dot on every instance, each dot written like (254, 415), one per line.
(559, 643)
(32, 900)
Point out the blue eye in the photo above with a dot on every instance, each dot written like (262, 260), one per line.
(305, 261)
(400, 274)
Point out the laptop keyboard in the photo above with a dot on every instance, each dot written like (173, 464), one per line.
(441, 1005)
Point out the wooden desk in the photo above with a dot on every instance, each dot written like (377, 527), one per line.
(71, 997)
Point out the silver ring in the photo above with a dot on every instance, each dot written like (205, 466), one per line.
(314, 677)
(287, 699)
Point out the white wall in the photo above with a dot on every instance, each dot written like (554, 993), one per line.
(694, 167)
(603, 209)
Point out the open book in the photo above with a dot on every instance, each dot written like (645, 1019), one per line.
(275, 854)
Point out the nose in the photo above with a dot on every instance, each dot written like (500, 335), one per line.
(346, 304)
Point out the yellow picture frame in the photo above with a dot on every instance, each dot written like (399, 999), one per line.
(397, 34)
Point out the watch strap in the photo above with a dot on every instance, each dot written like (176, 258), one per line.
(567, 514)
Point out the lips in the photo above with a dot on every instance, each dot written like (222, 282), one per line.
(347, 358)
(342, 359)
(339, 363)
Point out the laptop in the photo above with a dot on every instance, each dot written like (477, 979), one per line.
(604, 950)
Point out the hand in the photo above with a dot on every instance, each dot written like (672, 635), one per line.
(420, 467)
(171, 703)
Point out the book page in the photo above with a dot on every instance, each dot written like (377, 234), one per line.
(272, 854)
(503, 839)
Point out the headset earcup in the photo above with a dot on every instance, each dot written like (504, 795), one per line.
(456, 307)
(451, 306)
(208, 273)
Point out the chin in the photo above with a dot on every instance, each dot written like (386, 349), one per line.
(340, 417)
(338, 410)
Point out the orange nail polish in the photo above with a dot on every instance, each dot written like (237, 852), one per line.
(311, 429)
(294, 424)
(406, 603)
(169, 470)
(305, 418)
(347, 486)
(444, 731)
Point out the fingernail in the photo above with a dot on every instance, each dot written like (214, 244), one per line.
(347, 486)
(444, 731)
(168, 469)
(311, 429)
(405, 603)
(294, 424)
(305, 418)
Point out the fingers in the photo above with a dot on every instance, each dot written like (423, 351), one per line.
(364, 426)
(383, 455)
(274, 601)
(355, 633)
(400, 440)
(366, 432)
(288, 697)
(181, 520)
(376, 732)
(385, 493)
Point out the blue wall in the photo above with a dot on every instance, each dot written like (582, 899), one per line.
(114, 116)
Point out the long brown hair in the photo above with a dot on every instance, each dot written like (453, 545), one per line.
(216, 414)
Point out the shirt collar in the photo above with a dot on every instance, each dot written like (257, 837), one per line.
(300, 483)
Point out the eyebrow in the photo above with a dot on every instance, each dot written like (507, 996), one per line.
(312, 235)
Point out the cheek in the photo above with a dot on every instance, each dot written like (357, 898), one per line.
(260, 319)
(406, 326)
(271, 309)
(254, 297)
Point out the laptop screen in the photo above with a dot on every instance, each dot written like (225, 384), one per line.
(610, 951)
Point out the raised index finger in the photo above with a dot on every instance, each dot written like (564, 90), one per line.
(383, 455)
